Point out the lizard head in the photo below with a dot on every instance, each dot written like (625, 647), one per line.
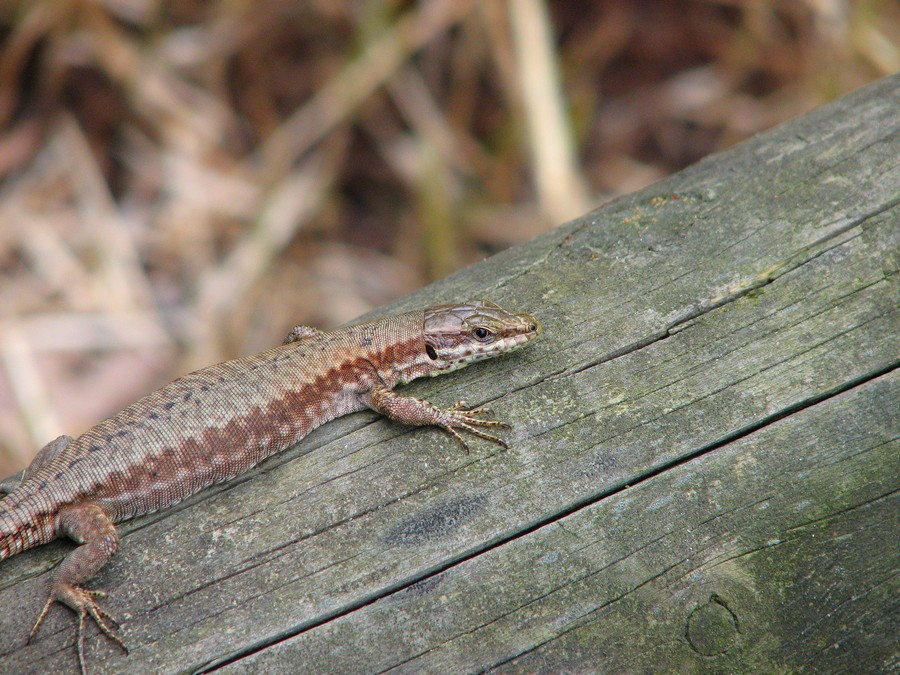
(457, 335)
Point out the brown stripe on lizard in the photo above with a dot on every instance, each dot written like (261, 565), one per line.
(213, 424)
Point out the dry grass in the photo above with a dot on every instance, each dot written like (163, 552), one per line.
(182, 181)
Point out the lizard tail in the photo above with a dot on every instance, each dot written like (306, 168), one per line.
(7, 536)
(7, 530)
(23, 526)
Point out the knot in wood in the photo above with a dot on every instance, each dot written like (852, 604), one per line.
(712, 628)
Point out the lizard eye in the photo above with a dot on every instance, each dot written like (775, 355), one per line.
(431, 353)
(481, 333)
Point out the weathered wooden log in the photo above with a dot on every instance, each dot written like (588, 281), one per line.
(702, 473)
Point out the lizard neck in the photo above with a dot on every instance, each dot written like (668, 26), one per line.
(395, 346)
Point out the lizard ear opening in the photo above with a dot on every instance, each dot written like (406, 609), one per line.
(431, 353)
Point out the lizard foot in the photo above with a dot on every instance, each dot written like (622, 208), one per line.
(462, 416)
(82, 601)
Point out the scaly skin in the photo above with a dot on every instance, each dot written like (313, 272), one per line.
(218, 422)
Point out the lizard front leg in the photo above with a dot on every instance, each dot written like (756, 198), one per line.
(89, 525)
(417, 412)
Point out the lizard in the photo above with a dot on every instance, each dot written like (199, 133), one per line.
(215, 423)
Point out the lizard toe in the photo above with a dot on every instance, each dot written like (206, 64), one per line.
(82, 601)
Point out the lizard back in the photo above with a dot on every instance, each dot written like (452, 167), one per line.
(209, 426)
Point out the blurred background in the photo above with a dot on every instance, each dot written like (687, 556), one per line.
(181, 182)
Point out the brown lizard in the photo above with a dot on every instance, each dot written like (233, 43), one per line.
(215, 423)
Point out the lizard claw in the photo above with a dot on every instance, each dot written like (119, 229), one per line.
(82, 601)
(463, 406)
(462, 416)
